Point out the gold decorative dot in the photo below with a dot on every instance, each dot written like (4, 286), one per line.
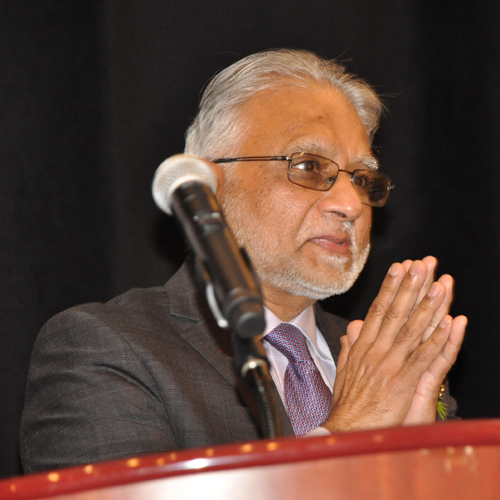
(450, 450)
(331, 441)
(160, 461)
(246, 448)
(272, 446)
(173, 457)
(469, 450)
(133, 462)
(12, 487)
(209, 452)
(378, 438)
(442, 390)
(53, 477)
(88, 469)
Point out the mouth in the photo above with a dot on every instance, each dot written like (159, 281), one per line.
(337, 244)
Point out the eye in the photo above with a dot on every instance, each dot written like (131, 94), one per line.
(379, 188)
(310, 166)
(362, 179)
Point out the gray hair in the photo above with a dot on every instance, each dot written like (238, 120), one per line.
(215, 130)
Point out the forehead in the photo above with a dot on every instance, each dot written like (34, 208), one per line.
(290, 119)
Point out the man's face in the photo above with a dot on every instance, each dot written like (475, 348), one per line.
(302, 242)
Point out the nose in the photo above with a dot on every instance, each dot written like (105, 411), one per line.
(342, 199)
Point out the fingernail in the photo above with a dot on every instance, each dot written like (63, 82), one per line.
(414, 269)
(393, 270)
(434, 290)
(444, 322)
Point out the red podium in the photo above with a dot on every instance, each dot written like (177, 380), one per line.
(456, 460)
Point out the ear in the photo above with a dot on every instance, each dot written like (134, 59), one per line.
(219, 175)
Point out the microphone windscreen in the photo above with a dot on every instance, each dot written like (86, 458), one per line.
(175, 171)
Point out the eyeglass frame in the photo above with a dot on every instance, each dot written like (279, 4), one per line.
(290, 158)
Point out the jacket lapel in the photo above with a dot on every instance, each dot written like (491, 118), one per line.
(202, 333)
(332, 329)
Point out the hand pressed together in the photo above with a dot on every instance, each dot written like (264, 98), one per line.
(392, 364)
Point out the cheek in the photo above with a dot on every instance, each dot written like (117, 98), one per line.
(270, 204)
(283, 214)
(364, 227)
(279, 195)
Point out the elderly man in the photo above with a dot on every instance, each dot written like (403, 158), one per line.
(288, 135)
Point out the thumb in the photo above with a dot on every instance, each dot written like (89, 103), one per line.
(353, 331)
(344, 352)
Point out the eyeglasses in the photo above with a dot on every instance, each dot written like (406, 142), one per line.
(319, 173)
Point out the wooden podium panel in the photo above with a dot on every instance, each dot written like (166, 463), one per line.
(459, 460)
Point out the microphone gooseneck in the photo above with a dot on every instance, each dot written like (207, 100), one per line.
(185, 186)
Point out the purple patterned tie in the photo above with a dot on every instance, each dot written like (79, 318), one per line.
(308, 400)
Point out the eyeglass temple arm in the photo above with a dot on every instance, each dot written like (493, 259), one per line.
(252, 158)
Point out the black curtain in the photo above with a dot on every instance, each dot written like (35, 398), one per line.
(94, 95)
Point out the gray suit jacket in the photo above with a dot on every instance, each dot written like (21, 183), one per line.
(148, 371)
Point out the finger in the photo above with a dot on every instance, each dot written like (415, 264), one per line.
(427, 392)
(407, 263)
(399, 311)
(417, 371)
(383, 300)
(431, 264)
(448, 354)
(410, 334)
(423, 405)
(431, 380)
(444, 309)
(353, 331)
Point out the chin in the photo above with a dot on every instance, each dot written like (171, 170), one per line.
(312, 283)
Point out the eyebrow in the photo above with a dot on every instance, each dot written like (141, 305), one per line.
(369, 161)
(312, 148)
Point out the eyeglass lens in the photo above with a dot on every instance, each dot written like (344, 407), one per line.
(316, 172)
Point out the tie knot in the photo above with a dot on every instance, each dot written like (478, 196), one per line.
(290, 341)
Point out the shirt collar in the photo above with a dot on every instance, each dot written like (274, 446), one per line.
(305, 322)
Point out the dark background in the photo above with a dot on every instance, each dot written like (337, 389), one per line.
(95, 94)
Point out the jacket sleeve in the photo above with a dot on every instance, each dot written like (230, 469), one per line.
(451, 404)
(89, 397)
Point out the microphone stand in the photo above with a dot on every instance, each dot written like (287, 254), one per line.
(250, 360)
(253, 367)
(232, 289)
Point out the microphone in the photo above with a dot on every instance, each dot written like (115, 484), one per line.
(185, 186)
